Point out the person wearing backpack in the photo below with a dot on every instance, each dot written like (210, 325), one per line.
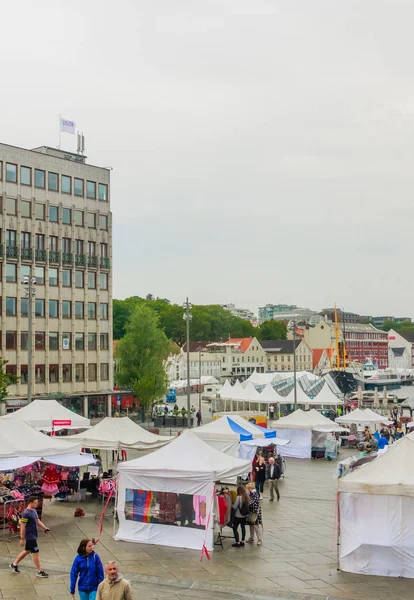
(241, 508)
(273, 475)
(88, 567)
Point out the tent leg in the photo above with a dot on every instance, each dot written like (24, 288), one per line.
(115, 509)
(337, 533)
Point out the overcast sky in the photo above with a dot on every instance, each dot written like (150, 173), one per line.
(262, 151)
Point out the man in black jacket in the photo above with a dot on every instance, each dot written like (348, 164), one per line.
(273, 475)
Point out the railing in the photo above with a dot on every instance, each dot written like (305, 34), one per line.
(12, 251)
(41, 255)
(1, 249)
(92, 261)
(54, 256)
(80, 260)
(105, 262)
(67, 258)
(26, 254)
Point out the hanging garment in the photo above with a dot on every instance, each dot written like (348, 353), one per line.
(222, 509)
(141, 506)
(200, 509)
(186, 509)
(168, 502)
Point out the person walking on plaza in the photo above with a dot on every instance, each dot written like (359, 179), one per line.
(198, 417)
(260, 475)
(242, 509)
(87, 566)
(254, 518)
(114, 586)
(273, 475)
(29, 524)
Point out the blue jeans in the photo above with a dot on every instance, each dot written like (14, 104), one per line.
(259, 485)
(87, 595)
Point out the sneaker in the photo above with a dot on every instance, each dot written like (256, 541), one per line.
(42, 574)
(241, 543)
(15, 568)
(236, 545)
(259, 543)
(250, 541)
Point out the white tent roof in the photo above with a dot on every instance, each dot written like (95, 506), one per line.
(301, 397)
(269, 394)
(226, 390)
(361, 416)
(218, 429)
(114, 433)
(251, 393)
(17, 438)
(262, 378)
(390, 474)
(40, 414)
(187, 457)
(326, 396)
(300, 419)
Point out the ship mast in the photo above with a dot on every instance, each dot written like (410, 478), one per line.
(338, 359)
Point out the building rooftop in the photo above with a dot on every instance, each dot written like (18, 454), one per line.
(279, 346)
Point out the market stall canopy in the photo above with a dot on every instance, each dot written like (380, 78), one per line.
(226, 390)
(255, 430)
(17, 438)
(187, 457)
(65, 460)
(325, 397)
(390, 474)
(41, 414)
(119, 433)
(301, 397)
(301, 419)
(224, 428)
(361, 416)
(262, 378)
(269, 395)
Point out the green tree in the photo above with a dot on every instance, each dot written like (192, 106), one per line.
(272, 330)
(387, 325)
(141, 354)
(6, 379)
(364, 321)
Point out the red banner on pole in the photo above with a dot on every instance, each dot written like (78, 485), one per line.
(61, 422)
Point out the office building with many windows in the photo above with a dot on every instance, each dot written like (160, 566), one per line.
(56, 225)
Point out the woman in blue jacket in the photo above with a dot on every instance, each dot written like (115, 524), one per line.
(88, 567)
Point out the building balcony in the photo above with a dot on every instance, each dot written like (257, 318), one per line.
(1, 249)
(27, 254)
(41, 255)
(54, 257)
(12, 252)
(105, 262)
(67, 258)
(93, 261)
(80, 260)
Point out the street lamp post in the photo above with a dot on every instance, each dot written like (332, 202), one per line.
(199, 379)
(294, 365)
(187, 317)
(29, 283)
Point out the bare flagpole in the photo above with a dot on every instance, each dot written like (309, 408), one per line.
(60, 116)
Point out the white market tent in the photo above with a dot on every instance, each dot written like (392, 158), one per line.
(40, 414)
(301, 397)
(297, 428)
(358, 416)
(226, 390)
(119, 434)
(185, 470)
(376, 508)
(262, 378)
(325, 398)
(269, 395)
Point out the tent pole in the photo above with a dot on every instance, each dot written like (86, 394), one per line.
(115, 507)
(337, 532)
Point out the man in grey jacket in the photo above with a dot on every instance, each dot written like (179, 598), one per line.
(273, 475)
(114, 586)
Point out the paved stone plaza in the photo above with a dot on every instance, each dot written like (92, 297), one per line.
(297, 559)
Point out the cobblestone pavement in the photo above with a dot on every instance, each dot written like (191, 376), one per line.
(297, 558)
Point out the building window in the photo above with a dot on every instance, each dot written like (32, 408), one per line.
(103, 281)
(40, 275)
(91, 310)
(10, 238)
(40, 340)
(24, 339)
(26, 209)
(66, 309)
(103, 192)
(11, 172)
(104, 311)
(11, 273)
(39, 307)
(66, 245)
(66, 277)
(92, 248)
(103, 222)
(66, 341)
(11, 340)
(53, 276)
(40, 212)
(53, 373)
(54, 340)
(79, 247)
(11, 307)
(66, 216)
(25, 175)
(79, 279)
(24, 373)
(53, 309)
(79, 341)
(92, 220)
(11, 370)
(11, 206)
(92, 372)
(40, 373)
(104, 250)
(79, 218)
(78, 186)
(91, 341)
(25, 240)
(104, 341)
(1, 170)
(39, 179)
(67, 373)
(53, 214)
(24, 272)
(54, 243)
(80, 372)
(79, 310)
(104, 371)
(91, 189)
(53, 182)
(24, 307)
(66, 184)
(92, 280)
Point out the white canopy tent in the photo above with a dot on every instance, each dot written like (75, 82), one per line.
(360, 416)
(269, 395)
(376, 508)
(119, 434)
(325, 398)
(154, 491)
(262, 378)
(41, 414)
(301, 397)
(226, 390)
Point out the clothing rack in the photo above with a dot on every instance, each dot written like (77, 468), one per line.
(220, 535)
